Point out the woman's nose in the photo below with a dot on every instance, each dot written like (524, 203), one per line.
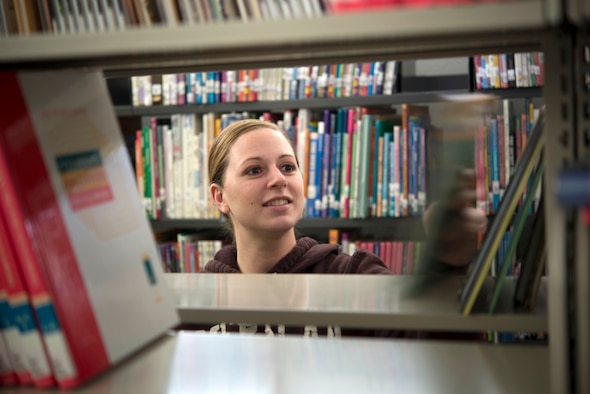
(277, 179)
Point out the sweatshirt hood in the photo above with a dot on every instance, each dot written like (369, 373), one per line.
(302, 258)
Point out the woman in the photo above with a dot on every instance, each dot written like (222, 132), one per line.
(257, 186)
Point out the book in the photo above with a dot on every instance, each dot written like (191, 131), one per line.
(417, 116)
(519, 224)
(481, 266)
(534, 261)
(70, 177)
(23, 302)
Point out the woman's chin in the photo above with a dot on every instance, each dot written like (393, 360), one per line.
(281, 225)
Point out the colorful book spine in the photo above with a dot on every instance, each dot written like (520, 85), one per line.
(422, 181)
(15, 370)
(319, 169)
(495, 163)
(20, 297)
(386, 171)
(329, 135)
(347, 156)
(7, 375)
(336, 164)
(312, 173)
(362, 192)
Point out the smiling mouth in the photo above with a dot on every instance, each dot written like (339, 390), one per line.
(275, 203)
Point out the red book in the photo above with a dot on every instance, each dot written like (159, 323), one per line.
(87, 240)
(26, 345)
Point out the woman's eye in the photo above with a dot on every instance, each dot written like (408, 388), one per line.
(288, 168)
(253, 171)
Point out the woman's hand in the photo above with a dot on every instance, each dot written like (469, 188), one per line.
(457, 242)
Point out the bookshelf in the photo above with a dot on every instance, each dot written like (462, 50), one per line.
(402, 228)
(279, 105)
(399, 34)
(345, 300)
(230, 363)
(409, 33)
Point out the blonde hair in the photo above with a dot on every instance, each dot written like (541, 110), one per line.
(219, 153)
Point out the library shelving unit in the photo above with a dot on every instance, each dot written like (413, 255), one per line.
(558, 28)
(316, 103)
(404, 302)
(398, 228)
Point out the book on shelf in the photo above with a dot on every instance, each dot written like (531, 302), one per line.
(533, 265)
(77, 223)
(368, 79)
(481, 266)
(27, 342)
(509, 70)
(516, 239)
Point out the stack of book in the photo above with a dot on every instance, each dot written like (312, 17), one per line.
(81, 286)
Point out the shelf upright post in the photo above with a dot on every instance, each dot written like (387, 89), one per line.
(559, 98)
(582, 231)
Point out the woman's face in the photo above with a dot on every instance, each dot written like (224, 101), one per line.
(263, 187)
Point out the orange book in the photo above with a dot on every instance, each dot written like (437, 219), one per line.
(333, 236)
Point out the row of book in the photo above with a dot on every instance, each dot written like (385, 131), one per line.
(512, 227)
(77, 254)
(509, 70)
(189, 253)
(401, 257)
(356, 162)
(500, 141)
(24, 17)
(271, 84)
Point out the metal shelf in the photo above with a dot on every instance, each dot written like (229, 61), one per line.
(403, 228)
(352, 301)
(389, 100)
(399, 33)
(257, 364)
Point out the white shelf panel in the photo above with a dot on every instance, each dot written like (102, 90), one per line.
(354, 301)
(192, 362)
(409, 33)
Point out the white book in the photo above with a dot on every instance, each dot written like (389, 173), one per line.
(168, 171)
(177, 167)
(93, 242)
(188, 147)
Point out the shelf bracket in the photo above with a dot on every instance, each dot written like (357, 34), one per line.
(560, 138)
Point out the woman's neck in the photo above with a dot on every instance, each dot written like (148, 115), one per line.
(257, 255)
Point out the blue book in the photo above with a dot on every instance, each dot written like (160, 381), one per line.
(336, 177)
(412, 166)
(387, 166)
(293, 91)
(217, 86)
(312, 191)
(484, 73)
(495, 164)
(329, 134)
(371, 77)
(210, 78)
(199, 88)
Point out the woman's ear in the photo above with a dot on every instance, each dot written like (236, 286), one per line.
(217, 197)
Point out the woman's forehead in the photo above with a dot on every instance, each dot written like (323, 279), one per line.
(263, 139)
